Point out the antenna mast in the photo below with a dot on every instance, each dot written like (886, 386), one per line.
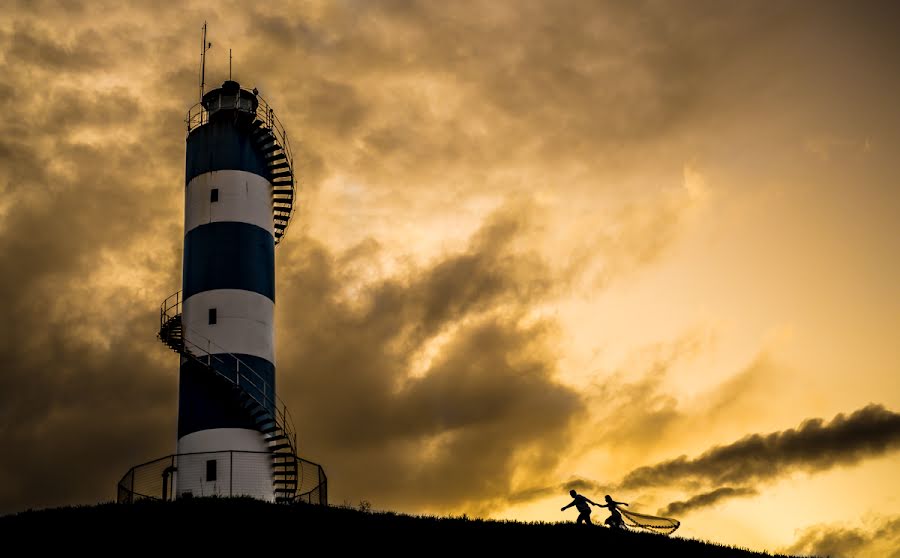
(203, 47)
(229, 64)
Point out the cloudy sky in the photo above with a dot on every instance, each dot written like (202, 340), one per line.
(640, 248)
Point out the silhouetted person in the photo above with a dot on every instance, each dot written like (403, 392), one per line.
(615, 518)
(581, 504)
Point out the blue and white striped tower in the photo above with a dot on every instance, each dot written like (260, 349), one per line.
(238, 199)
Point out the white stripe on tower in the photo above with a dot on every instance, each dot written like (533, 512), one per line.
(239, 474)
(244, 323)
(243, 197)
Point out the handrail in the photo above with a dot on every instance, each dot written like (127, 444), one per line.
(197, 116)
(169, 310)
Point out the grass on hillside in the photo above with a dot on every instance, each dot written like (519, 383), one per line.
(219, 522)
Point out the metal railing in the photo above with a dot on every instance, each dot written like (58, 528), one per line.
(245, 376)
(198, 115)
(240, 471)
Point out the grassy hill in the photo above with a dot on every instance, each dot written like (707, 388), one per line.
(223, 522)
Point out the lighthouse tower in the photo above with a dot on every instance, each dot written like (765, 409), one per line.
(233, 433)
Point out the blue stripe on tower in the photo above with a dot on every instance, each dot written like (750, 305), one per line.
(206, 402)
(221, 145)
(229, 255)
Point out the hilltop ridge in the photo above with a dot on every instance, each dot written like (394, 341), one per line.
(224, 522)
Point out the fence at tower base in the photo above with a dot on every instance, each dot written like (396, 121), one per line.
(218, 473)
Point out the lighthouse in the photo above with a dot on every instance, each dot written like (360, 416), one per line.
(235, 436)
(239, 196)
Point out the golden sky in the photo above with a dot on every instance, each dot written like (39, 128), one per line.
(649, 249)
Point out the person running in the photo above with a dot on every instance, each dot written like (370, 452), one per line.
(581, 504)
(615, 518)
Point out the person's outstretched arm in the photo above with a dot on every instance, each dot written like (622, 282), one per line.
(569, 506)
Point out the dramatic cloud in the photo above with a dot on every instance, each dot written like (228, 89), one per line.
(638, 415)
(432, 388)
(814, 446)
(88, 242)
(705, 500)
(880, 540)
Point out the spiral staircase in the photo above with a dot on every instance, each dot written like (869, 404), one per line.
(269, 415)
(270, 139)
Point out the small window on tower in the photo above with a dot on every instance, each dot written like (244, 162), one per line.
(211, 470)
(212, 316)
(214, 195)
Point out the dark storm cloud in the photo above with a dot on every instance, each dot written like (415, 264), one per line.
(81, 392)
(88, 245)
(814, 446)
(486, 404)
(29, 46)
(75, 415)
(583, 484)
(339, 107)
(571, 81)
(638, 414)
(530, 80)
(705, 500)
(883, 539)
(67, 109)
